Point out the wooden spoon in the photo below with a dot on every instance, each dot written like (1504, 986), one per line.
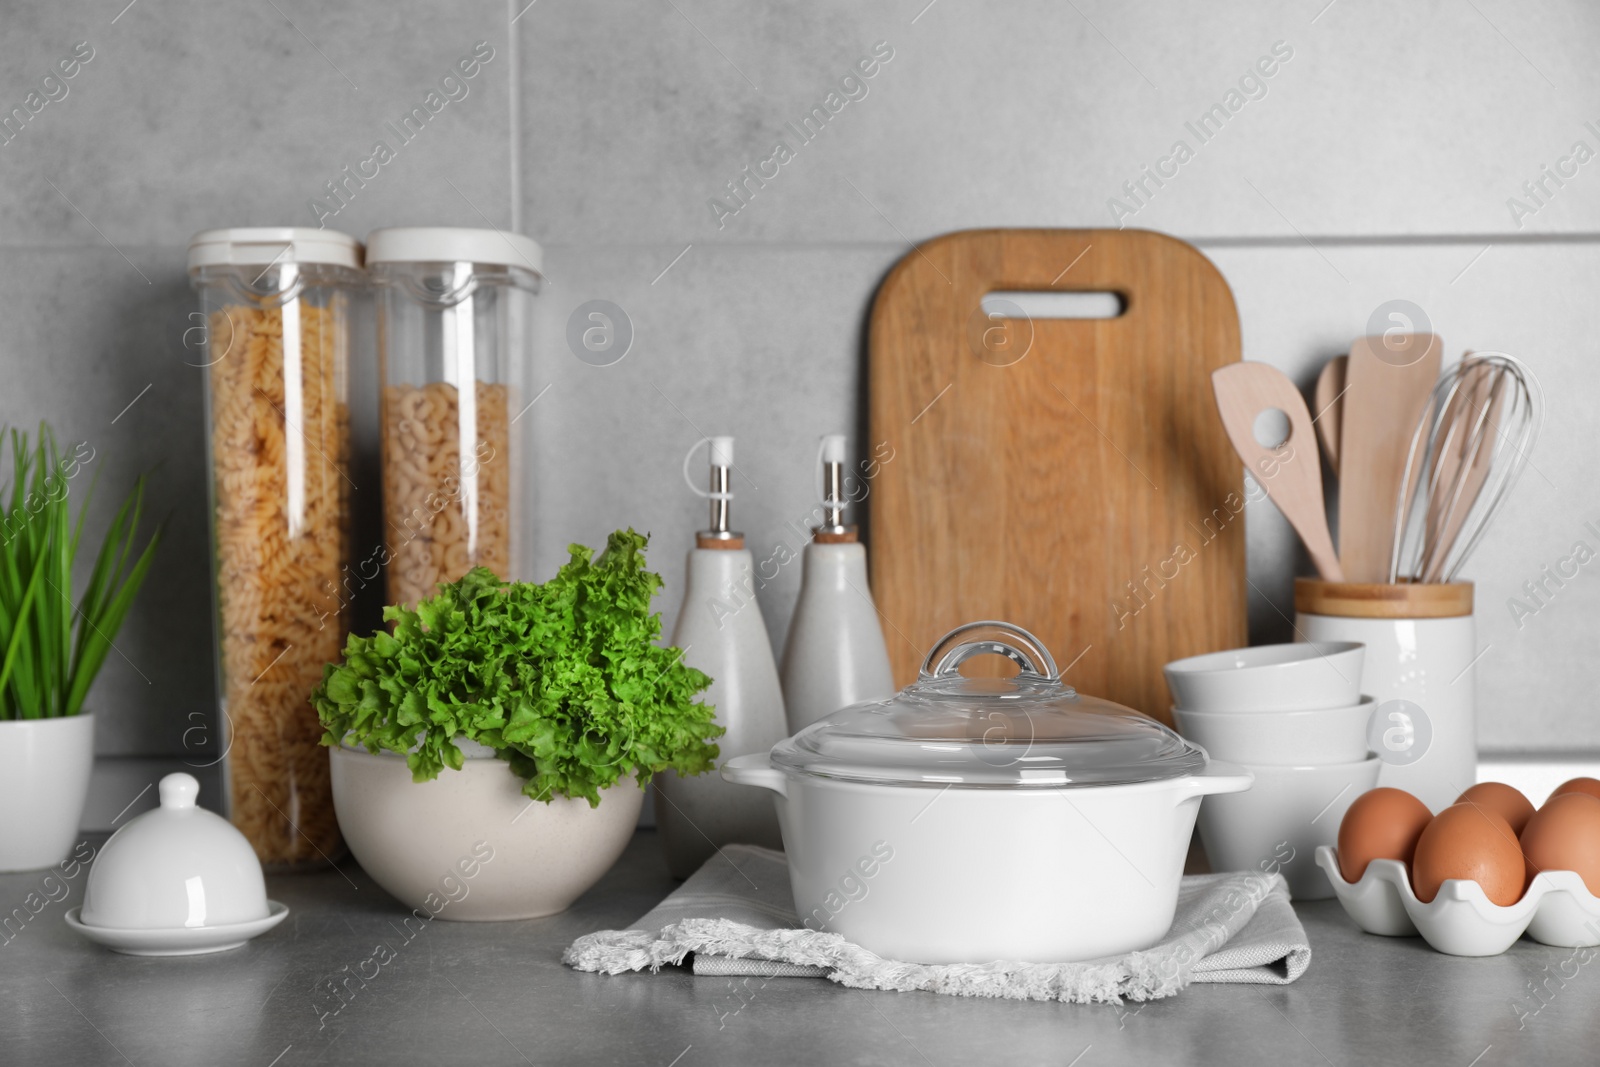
(1290, 471)
(1329, 401)
(1388, 381)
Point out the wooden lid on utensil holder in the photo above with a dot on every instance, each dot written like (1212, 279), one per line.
(1380, 600)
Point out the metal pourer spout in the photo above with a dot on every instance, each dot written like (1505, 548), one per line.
(720, 499)
(833, 494)
(831, 457)
(720, 534)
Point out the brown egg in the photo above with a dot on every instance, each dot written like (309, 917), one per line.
(1471, 842)
(1380, 824)
(1504, 800)
(1590, 786)
(1564, 835)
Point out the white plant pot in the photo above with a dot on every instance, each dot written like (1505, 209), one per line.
(468, 845)
(44, 784)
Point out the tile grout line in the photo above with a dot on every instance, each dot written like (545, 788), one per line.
(514, 112)
(1323, 240)
(1358, 241)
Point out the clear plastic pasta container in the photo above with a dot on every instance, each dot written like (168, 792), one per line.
(277, 322)
(455, 310)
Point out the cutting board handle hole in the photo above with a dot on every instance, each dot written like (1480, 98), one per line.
(1053, 304)
(1271, 427)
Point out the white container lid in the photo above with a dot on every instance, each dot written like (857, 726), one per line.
(260, 245)
(453, 244)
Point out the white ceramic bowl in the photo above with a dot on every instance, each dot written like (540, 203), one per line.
(1286, 738)
(1292, 677)
(468, 845)
(178, 867)
(1280, 822)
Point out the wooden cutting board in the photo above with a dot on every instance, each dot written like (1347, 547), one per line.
(1070, 476)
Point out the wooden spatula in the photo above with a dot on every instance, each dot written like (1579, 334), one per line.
(1387, 384)
(1289, 471)
(1328, 399)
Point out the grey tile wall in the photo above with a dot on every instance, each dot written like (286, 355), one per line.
(195, 115)
(98, 352)
(187, 117)
(1412, 118)
(1392, 137)
(764, 343)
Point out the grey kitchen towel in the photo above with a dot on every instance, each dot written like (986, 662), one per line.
(736, 916)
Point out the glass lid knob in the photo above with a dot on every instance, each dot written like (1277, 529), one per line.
(990, 636)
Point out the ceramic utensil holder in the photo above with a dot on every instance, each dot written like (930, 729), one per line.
(1421, 649)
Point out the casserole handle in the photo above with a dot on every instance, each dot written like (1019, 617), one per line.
(1219, 777)
(754, 768)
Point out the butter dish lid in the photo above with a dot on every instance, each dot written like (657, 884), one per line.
(1028, 731)
(176, 867)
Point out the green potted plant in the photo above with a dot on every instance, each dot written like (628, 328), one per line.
(489, 755)
(51, 647)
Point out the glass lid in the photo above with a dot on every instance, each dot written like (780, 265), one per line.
(1028, 730)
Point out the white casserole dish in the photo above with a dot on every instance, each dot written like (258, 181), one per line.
(972, 820)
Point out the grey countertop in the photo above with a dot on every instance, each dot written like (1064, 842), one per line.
(497, 993)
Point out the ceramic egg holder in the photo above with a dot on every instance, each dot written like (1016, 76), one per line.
(1557, 909)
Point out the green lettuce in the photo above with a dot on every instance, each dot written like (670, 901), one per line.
(563, 679)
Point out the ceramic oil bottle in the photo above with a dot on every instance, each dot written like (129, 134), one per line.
(721, 632)
(835, 655)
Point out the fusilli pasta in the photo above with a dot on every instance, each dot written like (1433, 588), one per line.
(444, 516)
(279, 459)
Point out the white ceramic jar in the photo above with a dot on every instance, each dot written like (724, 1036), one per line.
(835, 655)
(722, 633)
(696, 816)
(1419, 667)
(973, 820)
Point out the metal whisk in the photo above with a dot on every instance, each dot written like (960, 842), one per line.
(1466, 454)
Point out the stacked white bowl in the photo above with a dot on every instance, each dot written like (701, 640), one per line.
(1294, 716)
